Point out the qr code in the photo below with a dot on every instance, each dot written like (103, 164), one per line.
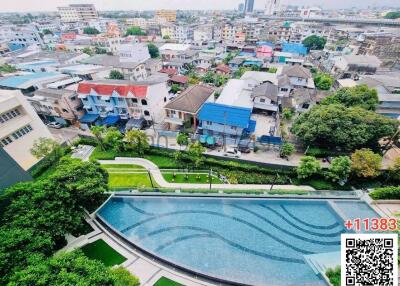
(369, 260)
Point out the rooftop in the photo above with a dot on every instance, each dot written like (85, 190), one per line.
(123, 88)
(28, 80)
(236, 93)
(224, 114)
(191, 99)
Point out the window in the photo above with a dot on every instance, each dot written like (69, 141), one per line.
(233, 127)
(146, 113)
(72, 98)
(5, 141)
(305, 106)
(9, 115)
(134, 100)
(21, 132)
(262, 100)
(144, 102)
(64, 110)
(284, 89)
(209, 123)
(107, 100)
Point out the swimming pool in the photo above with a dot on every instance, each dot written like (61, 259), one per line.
(250, 241)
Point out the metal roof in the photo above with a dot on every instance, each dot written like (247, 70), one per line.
(225, 114)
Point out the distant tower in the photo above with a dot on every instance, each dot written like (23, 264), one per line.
(241, 7)
(271, 7)
(249, 6)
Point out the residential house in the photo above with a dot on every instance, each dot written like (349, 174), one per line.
(109, 101)
(183, 110)
(227, 120)
(351, 66)
(299, 76)
(180, 80)
(222, 69)
(203, 68)
(389, 105)
(59, 105)
(263, 52)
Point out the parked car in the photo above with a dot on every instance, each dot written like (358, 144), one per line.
(55, 125)
(232, 152)
(244, 149)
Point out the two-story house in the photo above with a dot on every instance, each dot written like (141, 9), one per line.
(299, 76)
(107, 102)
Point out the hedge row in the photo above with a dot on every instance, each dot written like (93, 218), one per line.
(388, 193)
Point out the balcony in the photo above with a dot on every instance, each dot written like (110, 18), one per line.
(124, 115)
(103, 114)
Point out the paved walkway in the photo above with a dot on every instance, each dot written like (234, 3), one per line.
(159, 178)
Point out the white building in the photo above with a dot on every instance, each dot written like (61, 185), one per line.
(20, 126)
(137, 53)
(203, 34)
(20, 37)
(137, 22)
(77, 12)
(272, 7)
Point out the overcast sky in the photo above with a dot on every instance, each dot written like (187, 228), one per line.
(50, 5)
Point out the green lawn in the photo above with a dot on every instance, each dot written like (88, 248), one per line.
(166, 282)
(192, 179)
(164, 162)
(100, 250)
(121, 180)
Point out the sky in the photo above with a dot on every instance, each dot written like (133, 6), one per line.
(51, 5)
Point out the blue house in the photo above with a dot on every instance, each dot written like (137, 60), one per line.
(227, 122)
(298, 49)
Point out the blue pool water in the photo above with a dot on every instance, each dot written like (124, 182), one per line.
(253, 241)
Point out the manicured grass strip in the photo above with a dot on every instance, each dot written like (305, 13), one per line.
(334, 276)
(166, 282)
(122, 166)
(192, 178)
(118, 180)
(100, 250)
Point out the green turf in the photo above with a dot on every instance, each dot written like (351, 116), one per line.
(100, 250)
(120, 180)
(192, 179)
(166, 282)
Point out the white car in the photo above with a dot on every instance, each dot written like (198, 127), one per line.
(232, 152)
(55, 125)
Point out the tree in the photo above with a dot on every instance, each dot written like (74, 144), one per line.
(394, 171)
(272, 69)
(392, 15)
(47, 32)
(98, 132)
(340, 169)
(66, 268)
(153, 50)
(314, 42)
(100, 51)
(287, 149)
(335, 126)
(323, 81)
(219, 80)
(90, 31)
(182, 139)
(114, 74)
(166, 37)
(122, 277)
(287, 113)
(113, 139)
(308, 167)
(365, 163)
(134, 31)
(6, 68)
(241, 71)
(175, 88)
(137, 140)
(44, 146)
(228, 58)
(360, 96)
(208, 77)
(195, 153)
(88, 51)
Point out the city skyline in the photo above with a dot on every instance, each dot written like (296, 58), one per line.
(27, 5)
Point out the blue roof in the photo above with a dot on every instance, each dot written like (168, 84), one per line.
(88, 118)
(270, 44)
(35, 64)
(225, 114)
(247, 54)
(270, 140)
(294, 48)
(110, 120)
(18, 80)
(252, 126)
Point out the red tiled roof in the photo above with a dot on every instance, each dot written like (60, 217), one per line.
(180, 79)
(169, 71)
(107, 89)
(224, 68)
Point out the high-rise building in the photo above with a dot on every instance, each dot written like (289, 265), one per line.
(249, 6)
(20, 126)
(169, 15)
(272, 7)
(77, 13)
(241, 7)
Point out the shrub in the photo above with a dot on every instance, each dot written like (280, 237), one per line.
(322, 152)
(308, 167)
(388, 193)
(334, 276)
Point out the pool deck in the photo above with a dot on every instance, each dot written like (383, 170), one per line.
(147, 270)
(159, 178)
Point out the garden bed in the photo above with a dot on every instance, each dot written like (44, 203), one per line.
(101, 251)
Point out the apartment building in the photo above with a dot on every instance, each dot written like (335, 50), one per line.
(112, 100)
(169, 15)
(20, 37)
(137, 22)
(77, 13)
(20, 126)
